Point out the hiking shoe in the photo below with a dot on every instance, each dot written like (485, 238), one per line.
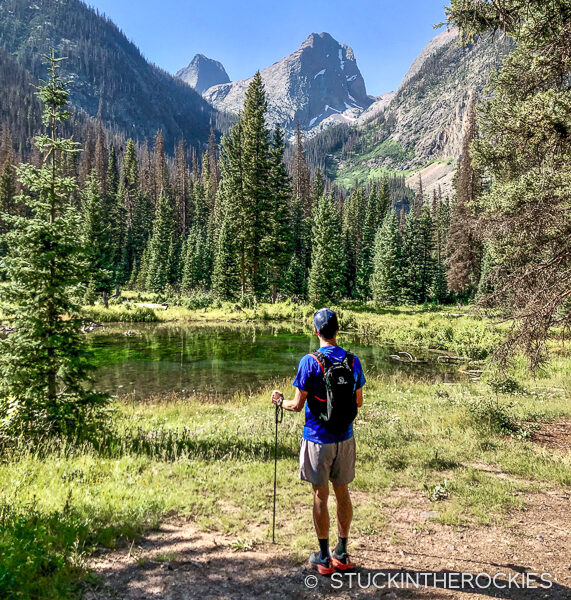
(322, 565)
(341, 562)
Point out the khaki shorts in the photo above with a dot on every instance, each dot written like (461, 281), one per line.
(321, 463)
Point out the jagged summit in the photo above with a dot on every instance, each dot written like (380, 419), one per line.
(320, 79)
(203, 72)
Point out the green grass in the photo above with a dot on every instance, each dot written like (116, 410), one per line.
(198, 459)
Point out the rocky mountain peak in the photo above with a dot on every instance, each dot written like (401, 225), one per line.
(203, 72)
(320, 79)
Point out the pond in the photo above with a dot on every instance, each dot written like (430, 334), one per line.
(222, 360)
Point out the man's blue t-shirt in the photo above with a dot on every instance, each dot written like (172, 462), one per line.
(309, 378)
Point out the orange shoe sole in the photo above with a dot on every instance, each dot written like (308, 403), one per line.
(322, 570)
(341, 566)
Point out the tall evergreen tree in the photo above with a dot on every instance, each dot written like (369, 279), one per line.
(464, 247)
(44, 362)
(295, 284)
(376, 209)
(100, 160)
(230, 215)
(160, 255)
(327, 276)
(419, 198)
(300, 174)
(182, 189)
(255, 194)
(386, 279)
(197, 262)
(225, 276)
(7, 192)
(417, 256)
(161, 180)
(384, 201)
(353, 218)
(98, 242)
(277, 235)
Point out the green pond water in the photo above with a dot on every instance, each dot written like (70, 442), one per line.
(221, 360)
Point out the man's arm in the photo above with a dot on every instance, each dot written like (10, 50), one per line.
(359, 394)
(295, 405)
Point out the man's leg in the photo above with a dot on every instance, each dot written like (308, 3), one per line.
(344, 509)
(320, 511)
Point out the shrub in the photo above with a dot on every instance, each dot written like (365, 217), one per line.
(198, 300)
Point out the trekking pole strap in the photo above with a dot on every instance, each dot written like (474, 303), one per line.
(279, 413)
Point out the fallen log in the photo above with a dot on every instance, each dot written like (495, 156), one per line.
(451, 359)
(407, 357)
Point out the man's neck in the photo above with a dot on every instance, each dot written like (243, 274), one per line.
(325, 342)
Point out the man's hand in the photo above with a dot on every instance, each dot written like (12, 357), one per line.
(277, 397)
(294, 405)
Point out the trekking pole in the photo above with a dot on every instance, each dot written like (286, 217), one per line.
(279, 418)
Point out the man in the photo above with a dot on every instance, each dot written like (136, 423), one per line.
(326, 456)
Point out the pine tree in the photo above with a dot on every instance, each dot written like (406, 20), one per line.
(487, 276)
(255, 196)
(87, 159)
(386, 279)
(160, 251)
(427, 263)
(211, 175)
(100, 160)
(384, 202)
(98, 242)
(276, 242)
(115, 214)
(464, 246)
(376, 209)
(182, 189)
(160, 174)
(7, 193)
(295, 284)
(327, 275)
(417, 256)
(44, 362)
(300, 174)
(197, 263)
(229, 216)
(353, 217)
(225, 277)
(419, 198)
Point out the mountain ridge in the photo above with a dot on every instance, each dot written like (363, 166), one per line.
(109, 77)
(203, 72)
(320, 78)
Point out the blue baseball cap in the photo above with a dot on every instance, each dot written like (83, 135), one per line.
(326, 319)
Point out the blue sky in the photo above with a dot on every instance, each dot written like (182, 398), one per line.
(247, 35)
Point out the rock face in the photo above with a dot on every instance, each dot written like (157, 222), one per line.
(318, 80)
(425, 119)
(203, 72)
(429, 107)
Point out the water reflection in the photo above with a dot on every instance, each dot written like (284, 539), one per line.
(221, 360)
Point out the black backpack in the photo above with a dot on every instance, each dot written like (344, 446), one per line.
(338, 410)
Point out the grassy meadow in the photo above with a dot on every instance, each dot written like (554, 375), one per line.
(213, 462)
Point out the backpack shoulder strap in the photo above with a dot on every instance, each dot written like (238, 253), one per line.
(349, 360)
(321, 359)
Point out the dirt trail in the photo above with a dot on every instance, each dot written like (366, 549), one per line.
(180, 562)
